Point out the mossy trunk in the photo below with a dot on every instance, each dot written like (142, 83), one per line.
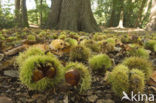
(75, 15)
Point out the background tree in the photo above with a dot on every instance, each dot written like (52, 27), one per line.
(139, 17)
(17, 13)
(151, 26)
(73, 15)
(21, 17)
(24, 17)
(121, 19)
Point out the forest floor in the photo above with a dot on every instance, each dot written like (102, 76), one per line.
(13, 41)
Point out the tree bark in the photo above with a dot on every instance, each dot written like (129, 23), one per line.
(140, 13)
(121, 20)
(75, 15)
(21, 18)
(24, 16)
(120, 25)
(111, 23)
(17, 13)
(41, 2)
(151, 26)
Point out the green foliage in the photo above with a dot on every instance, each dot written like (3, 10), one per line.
(150, 44)
(102, 11)
(30, 64)
(100, 62)
(6, 19)
(29, 52)
(79, 53)
(85, 83)
(139, 63)
(34, 15)
(123, 79)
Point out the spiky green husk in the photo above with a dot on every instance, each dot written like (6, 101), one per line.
(150, 44)
(79, 53)
(119, 80)
(29, 52)
(99, 36)
(62, 36)
(100, 62)
(72, 42)
(93, 45)
(123, 79)
(85, 75)
(26, 72)
(137, 81)
(31, 38)
(139, 63)
(154, 48)
(106, 46)
(139, 52)
(111, 40)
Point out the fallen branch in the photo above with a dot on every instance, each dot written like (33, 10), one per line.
(15, 50)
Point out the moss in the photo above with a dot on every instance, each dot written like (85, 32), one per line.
(85, 81)
(29, 52)
(79, 53)
(123, 79)
(31, 64)
(119, 80)
(100, 62)
(150, 44)
(139, 63)
(93, 45)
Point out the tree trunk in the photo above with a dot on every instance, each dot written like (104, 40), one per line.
(121, 20)
(21, 18)
(17, 13)
(41, 1)
(111, 23)
(140, 13)
(151, 26)
(75, 15)
(24, 16)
